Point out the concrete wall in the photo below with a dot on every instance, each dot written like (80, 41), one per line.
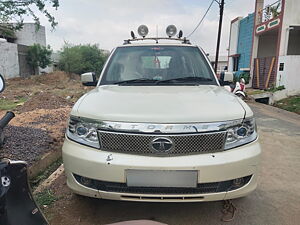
(289, 77)
(29, 35)
(234, 34)
(25, 69)
(9, 62)
(222, 62)
(291, 17)
(13, 61)
(233, 41)
(244, 47)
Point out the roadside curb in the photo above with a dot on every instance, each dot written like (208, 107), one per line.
(43, 163)
(46, 183)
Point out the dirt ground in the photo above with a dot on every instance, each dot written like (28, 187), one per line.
(275, 202)
(41, 115)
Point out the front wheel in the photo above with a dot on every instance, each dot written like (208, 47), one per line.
(241, 95)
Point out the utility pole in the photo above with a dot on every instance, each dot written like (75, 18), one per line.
(221, 5)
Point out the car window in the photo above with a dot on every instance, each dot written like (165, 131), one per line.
(157, 63)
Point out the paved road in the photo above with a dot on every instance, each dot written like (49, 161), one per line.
(275, 202)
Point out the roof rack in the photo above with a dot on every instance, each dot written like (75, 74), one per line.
(156, 39)
(170, 31)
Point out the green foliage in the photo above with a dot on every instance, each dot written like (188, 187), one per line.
(291, 104)
(45, 198)
(244, 75)
(16, 10)
(81, 58)
(39, 56)
(274, 89)
(274, 10)
(7, 104)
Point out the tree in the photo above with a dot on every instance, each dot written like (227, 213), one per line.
(39, 56)
(15, 10)
(81, 58)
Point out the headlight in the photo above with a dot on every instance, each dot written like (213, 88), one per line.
(83, 132)
(241, 134)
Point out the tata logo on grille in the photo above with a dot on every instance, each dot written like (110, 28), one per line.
(162, 144)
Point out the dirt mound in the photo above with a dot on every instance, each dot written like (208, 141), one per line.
(45, 100)
(57, 77)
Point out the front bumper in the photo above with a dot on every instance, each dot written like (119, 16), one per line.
(110, 167)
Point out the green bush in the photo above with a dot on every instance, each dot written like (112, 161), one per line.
(244, 75)
(81, 58)
(39, 56)
(274, 89)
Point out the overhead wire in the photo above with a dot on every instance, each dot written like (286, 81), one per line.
(201, 19)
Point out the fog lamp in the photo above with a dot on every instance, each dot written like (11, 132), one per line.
(143, 30)
(171, 30)
(86, 181)
(238, 182)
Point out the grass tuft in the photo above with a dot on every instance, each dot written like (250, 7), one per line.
(7, 104)
(291, 104)
(45, 198)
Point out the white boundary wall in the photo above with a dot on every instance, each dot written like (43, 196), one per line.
(9, 60)
(290, 76)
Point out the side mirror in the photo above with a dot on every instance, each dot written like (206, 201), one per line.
(2, 83)
(226, 78)
(89, 79)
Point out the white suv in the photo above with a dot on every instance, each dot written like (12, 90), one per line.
(159, 127)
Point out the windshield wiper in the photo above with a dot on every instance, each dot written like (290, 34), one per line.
(185, 79)
(140, 80)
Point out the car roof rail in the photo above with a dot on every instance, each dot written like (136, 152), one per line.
(156, 39)
(171, 31)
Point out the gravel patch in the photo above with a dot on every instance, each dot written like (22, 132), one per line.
(25, 143)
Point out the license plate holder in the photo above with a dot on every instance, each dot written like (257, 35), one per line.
(162, 178)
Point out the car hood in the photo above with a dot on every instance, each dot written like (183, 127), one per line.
(160, 104)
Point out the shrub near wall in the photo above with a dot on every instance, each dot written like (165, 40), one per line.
(81, 58)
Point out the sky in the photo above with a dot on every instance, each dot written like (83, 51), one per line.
(109, 22)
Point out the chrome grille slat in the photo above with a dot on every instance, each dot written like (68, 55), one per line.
(140, 144)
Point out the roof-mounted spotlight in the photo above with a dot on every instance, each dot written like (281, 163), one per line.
(180, 34)
(132, 35)
(171, 30)
(143, 30)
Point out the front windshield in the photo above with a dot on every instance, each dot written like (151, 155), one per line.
(153, 65)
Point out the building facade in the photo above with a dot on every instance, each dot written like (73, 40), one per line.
(13, 50)
(240, 45)
(275, 56)
(222, 62)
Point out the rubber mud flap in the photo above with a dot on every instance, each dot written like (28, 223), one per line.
(17, 205)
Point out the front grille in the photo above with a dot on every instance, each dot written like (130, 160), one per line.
(202, 188)
(183, 144)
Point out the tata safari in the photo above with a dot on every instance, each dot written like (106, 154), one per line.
(159, 127)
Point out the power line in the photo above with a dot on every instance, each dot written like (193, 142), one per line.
(201, 19)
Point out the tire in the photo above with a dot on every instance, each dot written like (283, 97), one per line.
(240, 96)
